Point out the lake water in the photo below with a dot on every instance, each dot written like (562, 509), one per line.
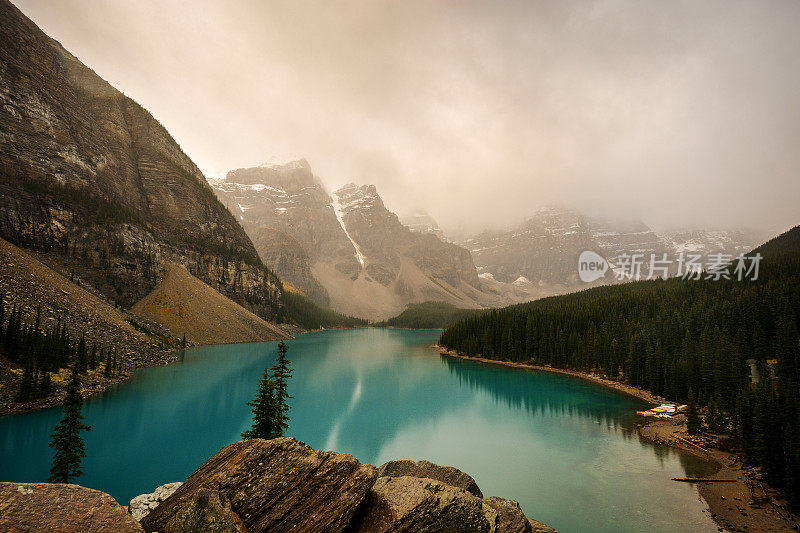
(565, 448)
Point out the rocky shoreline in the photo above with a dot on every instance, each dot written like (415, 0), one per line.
(745, 504)
(278, 485)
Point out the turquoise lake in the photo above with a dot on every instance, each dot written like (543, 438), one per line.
(566, 449)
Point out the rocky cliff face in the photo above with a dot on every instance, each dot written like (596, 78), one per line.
(384, 242)
(88, 174)
(346, 248)
(543, 248)
(288, 214)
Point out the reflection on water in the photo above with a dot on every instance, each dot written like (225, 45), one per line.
(566, 449)
(540, 393)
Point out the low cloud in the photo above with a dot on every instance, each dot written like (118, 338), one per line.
(682, 113)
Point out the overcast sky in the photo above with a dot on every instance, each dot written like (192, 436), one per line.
(682, 113)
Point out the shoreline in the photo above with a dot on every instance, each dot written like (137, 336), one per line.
(618, 386)
(99, 386)
(93, 389)
(745, 504)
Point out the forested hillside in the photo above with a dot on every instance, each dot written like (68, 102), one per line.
(430, 315)
(677, 337)
(308, 314)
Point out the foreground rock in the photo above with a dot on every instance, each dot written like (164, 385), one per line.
(279, 485)
(511, 519)
(284, 485)
(412, 504)
(62, 508)
(208, 511)
(275, 485)
(141, 505)
(446, 474)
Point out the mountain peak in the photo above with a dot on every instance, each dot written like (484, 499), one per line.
(352, 196)
(286, 163)
(292, 175)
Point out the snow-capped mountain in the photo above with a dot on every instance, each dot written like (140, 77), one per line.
(733, 242)
(420, 221)
(543, 251)
(346, 249)
(284, 208)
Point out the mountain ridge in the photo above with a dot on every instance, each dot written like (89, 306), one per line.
(346, 247)
(89, 175)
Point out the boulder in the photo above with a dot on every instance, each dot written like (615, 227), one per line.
(142, 504)
(276, 485)
(446, 474)
(419, 505)
(208, 511)
(509, 516)
(61, 507)
(538, 527)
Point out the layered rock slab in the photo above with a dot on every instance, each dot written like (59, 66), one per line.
(412, 504)
(276, 485)
(446, 474)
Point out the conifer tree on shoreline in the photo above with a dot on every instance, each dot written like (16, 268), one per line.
(66, 438)
(693, 423)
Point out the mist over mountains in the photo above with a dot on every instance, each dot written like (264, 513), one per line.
(348, 250)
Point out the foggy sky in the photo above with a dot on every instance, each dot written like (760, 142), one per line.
(680, 112)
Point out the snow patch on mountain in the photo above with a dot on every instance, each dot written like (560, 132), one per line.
(338, 209)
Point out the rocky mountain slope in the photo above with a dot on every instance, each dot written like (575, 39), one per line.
(706, 242)
(346, 248)
(26, 281)
(184, 305)
(544, 248)
(541, 254)
(286, 211)
(89, 175)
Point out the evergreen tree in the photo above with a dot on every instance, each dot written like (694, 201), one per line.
(28, 383)
(45, 385)
(270, 407)
(265, 411)
(281, 372)
(693, 423)
(93, 357)
(107, 369)
(715, 420)
(82, 356)
(66, 438)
